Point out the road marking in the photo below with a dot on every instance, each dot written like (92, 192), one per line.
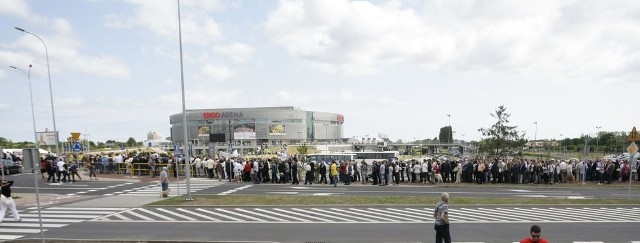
(241, 215)
(10, 237)
(177, 214)
(198, 215)
(218, 214)
(283, 193)
(139, 215)
(260, 215)
(155, 214)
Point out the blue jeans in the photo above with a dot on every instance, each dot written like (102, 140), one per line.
(165, 186)
(335, 180)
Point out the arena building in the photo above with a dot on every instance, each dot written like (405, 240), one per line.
(255, 128)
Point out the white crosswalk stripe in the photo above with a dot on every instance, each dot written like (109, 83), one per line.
(54, 217)
(377, 215)
(154, 188)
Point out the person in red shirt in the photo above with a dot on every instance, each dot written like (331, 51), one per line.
(535, 236)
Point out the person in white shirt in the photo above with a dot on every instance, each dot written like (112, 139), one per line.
(308, 176)
(582, 170)
(60, 169)
(210, 166)
(416, 172)
(198, 165)
(424, 172)
(127, 165)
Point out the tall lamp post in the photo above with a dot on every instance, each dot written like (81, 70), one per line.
(535, 136)
(33, 116)
(187, 162)
(35, 136)
(598, 136)
(53, 112)
(449, 132)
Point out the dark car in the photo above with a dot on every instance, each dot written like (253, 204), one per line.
(10, 167)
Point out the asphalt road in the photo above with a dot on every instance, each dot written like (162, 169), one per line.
(418, 232)
(344, 224)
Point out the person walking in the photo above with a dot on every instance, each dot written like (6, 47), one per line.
(73, 169)
(164, 181)
(441, 215)
(333, 170)
(7, 202)
(534, 237)
(92, 170)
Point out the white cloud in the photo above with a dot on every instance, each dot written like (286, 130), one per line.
(214, 72)
(238, 52)
(566, 39)
(15, 8)
(4, 107)
(64, 49)
(161, 18)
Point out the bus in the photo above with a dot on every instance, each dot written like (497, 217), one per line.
(371, 156)
(327, 158)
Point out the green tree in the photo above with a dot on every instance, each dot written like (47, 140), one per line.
(303, 150)
(501, 139)
(446, 134)
(131, 142)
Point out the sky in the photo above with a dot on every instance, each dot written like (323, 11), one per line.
(391, 67)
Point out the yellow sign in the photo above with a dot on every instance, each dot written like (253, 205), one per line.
(632, 149)
(76, 136)
(633, 136)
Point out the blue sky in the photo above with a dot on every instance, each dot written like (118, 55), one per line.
(392, 67)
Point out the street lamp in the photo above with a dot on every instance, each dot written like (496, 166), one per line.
(33, 116)
(449, 132)
(35, 136)
(598, 136)
(53, 112)
(187, 162)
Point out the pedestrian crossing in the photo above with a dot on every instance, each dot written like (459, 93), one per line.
(154, 188)
(99, 189)
(399, 215)
(54, 217)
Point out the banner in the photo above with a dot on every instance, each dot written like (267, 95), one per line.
(46, 138)
(244, 131)
(203, 131)
(277, 129)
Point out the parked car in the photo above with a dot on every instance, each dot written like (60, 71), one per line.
(10, 167)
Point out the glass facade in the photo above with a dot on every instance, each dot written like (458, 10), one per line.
(257, 126)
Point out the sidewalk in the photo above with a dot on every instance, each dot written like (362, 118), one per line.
(118, 177)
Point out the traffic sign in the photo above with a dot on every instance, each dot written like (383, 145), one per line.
(77, 147)
(75, 136)
(632, 149)
(633, 136)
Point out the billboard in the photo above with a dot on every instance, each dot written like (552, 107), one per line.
(216, 137)
(244, 131)
(46, 138)
(203, 131)
(277, 129)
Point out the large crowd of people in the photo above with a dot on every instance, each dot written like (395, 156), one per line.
(394, 172)
(382, 172)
